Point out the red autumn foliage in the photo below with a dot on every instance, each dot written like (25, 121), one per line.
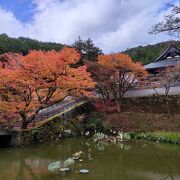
(114, 75)
(105, 107)
(29, 83)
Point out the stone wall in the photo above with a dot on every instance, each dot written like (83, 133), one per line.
(173, 99)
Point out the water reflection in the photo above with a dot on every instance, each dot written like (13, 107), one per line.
(130, 160)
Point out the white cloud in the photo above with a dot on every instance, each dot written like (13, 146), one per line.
(114, 25)
(9, 24)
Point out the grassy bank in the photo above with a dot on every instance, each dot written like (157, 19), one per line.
(159, 136)
(153, 126)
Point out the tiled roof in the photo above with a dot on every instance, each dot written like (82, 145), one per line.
(170, 57)
(164, 63)
(171, 51)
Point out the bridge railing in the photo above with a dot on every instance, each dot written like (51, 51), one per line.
(55, 110)
(62, 103)
(49, 112)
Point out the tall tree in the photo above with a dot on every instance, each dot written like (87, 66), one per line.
(87, 49)
(170, 24)
(29, 83)
(115, 74)
(101, 76)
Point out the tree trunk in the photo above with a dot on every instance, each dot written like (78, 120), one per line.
(24, 124)
(26, 121)
(119, 92)
(118, 104)
(166, 98)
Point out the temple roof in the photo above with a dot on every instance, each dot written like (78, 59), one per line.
(170, 57)
(171, 51)
(161, 64)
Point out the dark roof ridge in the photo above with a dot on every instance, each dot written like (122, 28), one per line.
(171, 47)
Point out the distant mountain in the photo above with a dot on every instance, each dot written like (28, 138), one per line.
(23, 45)
(147, 54)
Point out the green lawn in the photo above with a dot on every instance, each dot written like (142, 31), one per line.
(159, 136)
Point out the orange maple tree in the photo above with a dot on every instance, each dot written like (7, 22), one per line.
(123, 72)
(29, 83)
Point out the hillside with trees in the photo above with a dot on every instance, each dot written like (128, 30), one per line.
(87, 49)
(24, 45)
(147, 54)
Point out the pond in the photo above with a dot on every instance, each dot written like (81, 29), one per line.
(133, 160)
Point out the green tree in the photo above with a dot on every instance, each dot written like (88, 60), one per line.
(87, 49)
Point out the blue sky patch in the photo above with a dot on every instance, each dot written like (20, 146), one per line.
(23, 10)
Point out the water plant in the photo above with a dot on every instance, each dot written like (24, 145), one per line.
(99, 136)
(127, 136)
(114, 138)
(77, 155)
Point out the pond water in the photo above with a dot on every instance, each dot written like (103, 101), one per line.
(134, 160)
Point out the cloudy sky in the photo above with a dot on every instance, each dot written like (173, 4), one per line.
(113, 25)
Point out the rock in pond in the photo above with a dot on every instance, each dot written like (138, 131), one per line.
(64, 169)
(84, 171)
(69, 162)
(54, 166)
